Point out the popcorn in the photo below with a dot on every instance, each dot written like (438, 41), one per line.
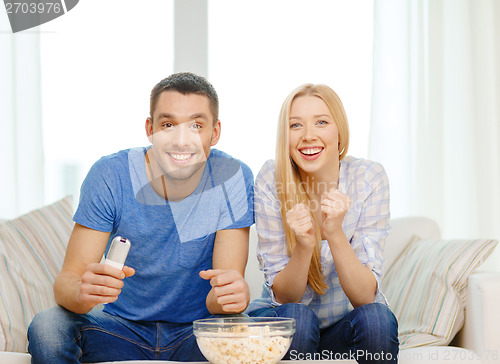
(242, 344)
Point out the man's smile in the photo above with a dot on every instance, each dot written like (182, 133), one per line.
(180, 158)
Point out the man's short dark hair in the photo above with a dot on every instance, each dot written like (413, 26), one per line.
(186, 83)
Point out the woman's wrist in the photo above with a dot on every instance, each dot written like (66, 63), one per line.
(305, 246)
(336, 237)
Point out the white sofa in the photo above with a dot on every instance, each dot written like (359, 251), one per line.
(478, 341)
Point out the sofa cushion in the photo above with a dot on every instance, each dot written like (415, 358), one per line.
(32, 250)
(403, 231)
(426, 288)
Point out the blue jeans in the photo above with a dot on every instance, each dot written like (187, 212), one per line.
(368, 334)
(59, 336)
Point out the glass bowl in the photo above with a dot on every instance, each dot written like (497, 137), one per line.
(242, 340)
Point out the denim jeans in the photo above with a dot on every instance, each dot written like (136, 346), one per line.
(368, 334)
(59, 336)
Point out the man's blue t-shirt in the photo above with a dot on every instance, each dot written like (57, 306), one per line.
(171, 241)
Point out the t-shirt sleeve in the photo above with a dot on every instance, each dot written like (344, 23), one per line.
(98, 195)
(236, 208)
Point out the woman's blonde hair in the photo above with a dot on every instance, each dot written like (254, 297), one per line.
(289, 185)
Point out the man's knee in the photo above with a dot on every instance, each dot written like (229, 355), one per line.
(50, 324)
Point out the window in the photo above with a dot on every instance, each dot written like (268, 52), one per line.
(100, 61)
(259, 51)
(99, 64)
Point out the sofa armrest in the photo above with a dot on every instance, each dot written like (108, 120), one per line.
(481, 332)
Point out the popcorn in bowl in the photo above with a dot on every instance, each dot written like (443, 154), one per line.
(242, 340)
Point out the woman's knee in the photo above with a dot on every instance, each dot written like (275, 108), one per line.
(303, 315)
(307, 334)
(379, 317)
(377, 325)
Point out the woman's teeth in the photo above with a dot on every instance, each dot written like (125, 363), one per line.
(310, 151)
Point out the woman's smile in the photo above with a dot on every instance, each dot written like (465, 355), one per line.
(311, 153)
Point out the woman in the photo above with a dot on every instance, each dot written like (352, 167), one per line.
(322, 218)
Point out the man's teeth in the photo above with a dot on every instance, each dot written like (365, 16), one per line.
(180, 157)
(310, 151)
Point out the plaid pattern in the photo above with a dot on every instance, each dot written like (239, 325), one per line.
(365, 225)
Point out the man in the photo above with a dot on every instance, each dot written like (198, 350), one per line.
(186, 208)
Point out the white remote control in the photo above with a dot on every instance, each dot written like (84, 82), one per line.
(117, 252)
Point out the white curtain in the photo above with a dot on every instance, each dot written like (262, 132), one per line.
(21, 148)
(436, 112)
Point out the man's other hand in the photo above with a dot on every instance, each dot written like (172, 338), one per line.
(229, 288)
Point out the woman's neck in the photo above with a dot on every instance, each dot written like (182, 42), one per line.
(318, 183)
